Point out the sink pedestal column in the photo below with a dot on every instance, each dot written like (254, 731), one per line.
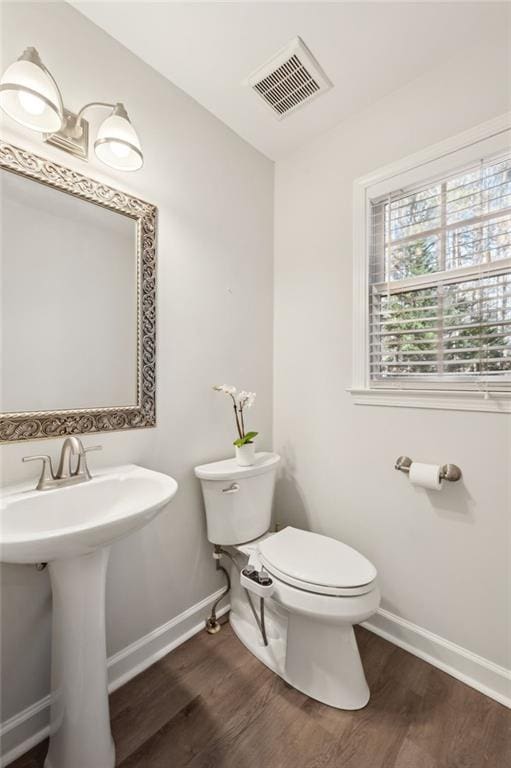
(80, 735)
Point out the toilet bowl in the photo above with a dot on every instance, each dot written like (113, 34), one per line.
(322, 587)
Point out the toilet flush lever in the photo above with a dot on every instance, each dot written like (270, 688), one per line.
(233, 488)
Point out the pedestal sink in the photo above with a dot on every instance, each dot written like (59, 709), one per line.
(71, 528)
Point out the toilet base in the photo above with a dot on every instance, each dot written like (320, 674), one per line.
(320, 659)
(323, 661)
(273, 655)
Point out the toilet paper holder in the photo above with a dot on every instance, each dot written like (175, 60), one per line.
(449, 472)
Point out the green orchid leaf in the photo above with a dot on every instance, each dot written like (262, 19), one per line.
(245, 440)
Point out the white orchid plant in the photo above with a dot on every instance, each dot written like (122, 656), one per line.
(241, 401)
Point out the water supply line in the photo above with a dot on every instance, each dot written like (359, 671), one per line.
(263, 625)
(212, 624)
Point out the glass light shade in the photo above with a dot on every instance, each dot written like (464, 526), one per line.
(30, 96)
(117, 143)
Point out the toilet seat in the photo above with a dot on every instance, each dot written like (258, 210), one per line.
(316, 563)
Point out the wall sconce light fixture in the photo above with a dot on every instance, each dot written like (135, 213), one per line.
(30, 95)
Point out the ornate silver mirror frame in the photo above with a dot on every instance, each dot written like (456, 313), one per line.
(31, 425)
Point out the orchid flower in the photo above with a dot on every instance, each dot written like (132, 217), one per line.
(240, 402)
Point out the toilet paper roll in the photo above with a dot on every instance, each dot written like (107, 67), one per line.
(425, 475)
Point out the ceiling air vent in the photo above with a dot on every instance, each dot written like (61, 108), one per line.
(290, 79)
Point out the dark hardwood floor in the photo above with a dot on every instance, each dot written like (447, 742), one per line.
(211, 704)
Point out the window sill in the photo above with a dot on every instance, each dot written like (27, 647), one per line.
(455, 400)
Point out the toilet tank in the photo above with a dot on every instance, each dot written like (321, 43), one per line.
(238, 500)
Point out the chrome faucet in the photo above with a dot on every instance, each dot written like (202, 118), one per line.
(65, 475)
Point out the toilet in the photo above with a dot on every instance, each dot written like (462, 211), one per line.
(321, 587)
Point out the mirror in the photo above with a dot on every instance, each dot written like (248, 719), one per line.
(69, 301)
(77, 302)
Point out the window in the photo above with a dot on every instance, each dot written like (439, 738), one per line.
(438, 278)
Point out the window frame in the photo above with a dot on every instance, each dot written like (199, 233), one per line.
(442, 159)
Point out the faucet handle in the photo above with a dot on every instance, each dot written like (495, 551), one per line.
(82, 468)
(46, 459)
(46, 471)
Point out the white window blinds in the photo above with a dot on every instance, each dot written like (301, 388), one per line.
(440, 281)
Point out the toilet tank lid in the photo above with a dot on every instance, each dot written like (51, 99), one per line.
(228, 469)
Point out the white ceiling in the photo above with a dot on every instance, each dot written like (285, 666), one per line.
(367, 50)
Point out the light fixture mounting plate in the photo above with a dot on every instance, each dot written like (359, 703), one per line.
(64, 139)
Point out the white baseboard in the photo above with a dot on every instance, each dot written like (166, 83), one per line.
(480, 673)
(23, 731)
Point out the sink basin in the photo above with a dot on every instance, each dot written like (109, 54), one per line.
(40, 526)
(71, 528)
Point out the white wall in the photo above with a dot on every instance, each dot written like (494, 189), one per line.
(215, 200)
(444, 559)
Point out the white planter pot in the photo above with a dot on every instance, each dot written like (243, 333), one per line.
(245, 454)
